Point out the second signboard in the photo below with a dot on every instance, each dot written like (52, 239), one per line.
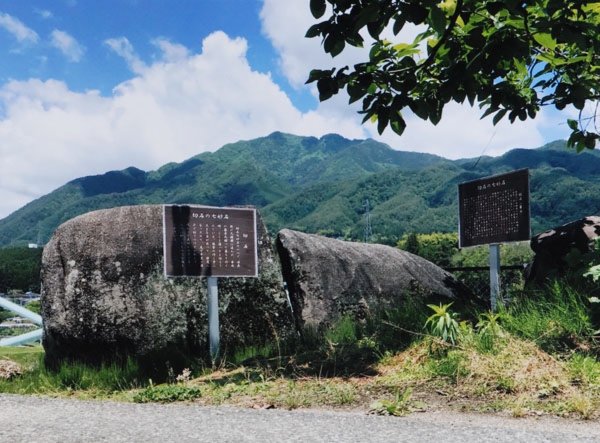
(494, 209)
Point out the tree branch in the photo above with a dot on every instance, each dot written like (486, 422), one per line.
(445, 36)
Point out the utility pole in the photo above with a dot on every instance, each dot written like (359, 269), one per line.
(368, 230)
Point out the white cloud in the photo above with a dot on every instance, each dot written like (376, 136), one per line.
(172, 52)
(67, 45)
(182, 103)
(43, 13)
(170, 110)
(15, 27)
(122, 47)
(460, 134)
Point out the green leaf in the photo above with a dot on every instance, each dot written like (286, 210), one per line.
(550, 59)
(405, 49)
(494, 7)
(414, 13)
(489, 111)
(313, 31)
(317, 8)
(435, 115)
(573, 124)
(356, 91)
(382, 120)
(398, 25)
(375, 28)
(438, 20)
(333, 44)
(397, 124)
(499, 115)
(590, 142)
(420, 109)
(327, 88)
(367, 15)
(546, 40)
(317, 74)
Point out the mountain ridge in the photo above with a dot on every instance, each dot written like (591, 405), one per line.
(321, 185)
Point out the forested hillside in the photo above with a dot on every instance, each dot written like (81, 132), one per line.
(322, 185)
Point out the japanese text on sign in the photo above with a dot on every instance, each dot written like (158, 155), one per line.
(208, 241)
(494, 209)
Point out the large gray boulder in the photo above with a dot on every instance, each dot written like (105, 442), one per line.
(552, 246)
(104, 294)
(329, 278)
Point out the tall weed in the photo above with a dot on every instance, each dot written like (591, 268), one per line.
(555, 317)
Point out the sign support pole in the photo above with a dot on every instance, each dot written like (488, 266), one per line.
(494, 276)
(213, 316)
(206, 241)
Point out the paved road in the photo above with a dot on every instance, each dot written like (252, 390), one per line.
(32, 420)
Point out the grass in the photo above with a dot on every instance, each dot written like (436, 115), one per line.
(70, 379)
(537, 356)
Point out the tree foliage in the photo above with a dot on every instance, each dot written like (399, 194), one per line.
(509, 57)
(20, 268)
(442, 249)
(438, 248)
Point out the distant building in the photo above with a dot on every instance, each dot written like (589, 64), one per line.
(33, 245)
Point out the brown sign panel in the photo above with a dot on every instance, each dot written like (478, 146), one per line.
(206, 241)
(494, 209)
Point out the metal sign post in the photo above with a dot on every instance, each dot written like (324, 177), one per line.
(494, 210)
(213, 317)
(207, 241)
(494, 276)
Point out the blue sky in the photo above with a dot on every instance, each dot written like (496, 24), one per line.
(88, 86)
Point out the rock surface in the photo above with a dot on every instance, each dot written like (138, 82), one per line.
(329, 278)
(104, 293)
(552, 246)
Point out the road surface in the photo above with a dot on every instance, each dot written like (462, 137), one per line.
(26, 419)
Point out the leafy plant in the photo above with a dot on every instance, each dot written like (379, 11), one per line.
(443, 324)
(400, 405)
(489, 330)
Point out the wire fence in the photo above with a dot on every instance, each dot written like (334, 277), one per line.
(477, 278)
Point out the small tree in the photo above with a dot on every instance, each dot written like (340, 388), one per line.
(510, 57)
(410, 243)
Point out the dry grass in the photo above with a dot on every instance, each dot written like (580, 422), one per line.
(9, 369)
(516, 378)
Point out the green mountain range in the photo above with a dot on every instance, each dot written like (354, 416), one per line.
(322, 185)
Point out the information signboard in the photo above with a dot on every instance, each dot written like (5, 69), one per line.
(206, 241)
(495, 209)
